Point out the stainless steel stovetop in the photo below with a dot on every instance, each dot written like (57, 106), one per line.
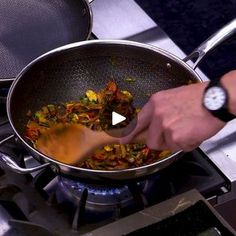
(36, 202)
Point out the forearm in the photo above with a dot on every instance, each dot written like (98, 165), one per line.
(229, 82)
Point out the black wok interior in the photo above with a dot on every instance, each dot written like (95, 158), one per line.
(66, 75)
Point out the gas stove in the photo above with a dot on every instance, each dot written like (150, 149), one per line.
(56, 204)
(44, 203)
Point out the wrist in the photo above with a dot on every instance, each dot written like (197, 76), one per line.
(229, 82)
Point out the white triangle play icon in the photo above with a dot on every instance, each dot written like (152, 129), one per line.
(117, 118)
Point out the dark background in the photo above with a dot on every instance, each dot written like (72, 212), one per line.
(189, 22)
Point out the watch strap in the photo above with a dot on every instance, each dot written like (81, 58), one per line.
(224, 115)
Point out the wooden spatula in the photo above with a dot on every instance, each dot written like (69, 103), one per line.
(71, 144)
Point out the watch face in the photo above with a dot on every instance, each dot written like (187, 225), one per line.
(214, 98)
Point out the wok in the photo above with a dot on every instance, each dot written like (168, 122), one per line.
(37, 26)
(65, 73)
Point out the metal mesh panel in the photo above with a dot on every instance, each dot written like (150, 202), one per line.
(29, 28)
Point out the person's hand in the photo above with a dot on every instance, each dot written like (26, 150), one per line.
(175, 119)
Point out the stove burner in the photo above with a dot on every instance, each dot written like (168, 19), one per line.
(102, 201)
(97, 193)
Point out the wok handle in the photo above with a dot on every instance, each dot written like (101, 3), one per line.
(10, 164)
(220, 36)
(6, 81)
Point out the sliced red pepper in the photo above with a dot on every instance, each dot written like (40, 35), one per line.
(112, 86)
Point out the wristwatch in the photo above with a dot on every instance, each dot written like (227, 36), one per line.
(215, 100)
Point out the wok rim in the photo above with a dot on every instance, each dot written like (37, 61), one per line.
(61, 165)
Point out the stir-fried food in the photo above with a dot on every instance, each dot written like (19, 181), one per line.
(93, 110)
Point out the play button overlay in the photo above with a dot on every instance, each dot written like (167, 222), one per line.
(117, 118)
(118, 124)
